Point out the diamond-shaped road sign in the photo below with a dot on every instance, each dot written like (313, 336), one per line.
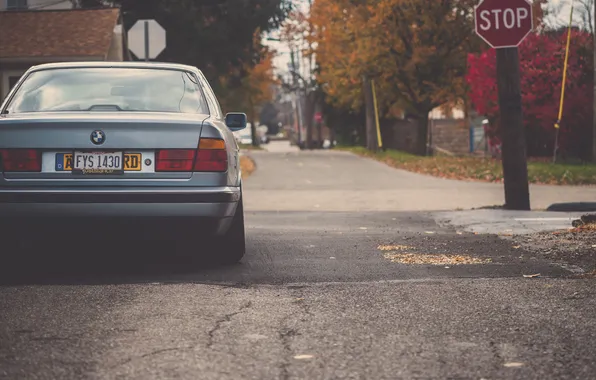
(504, 23)
(146, 39)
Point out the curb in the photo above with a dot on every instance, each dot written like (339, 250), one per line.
(573, 207)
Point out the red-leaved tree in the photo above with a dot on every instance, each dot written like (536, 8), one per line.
(541, 68)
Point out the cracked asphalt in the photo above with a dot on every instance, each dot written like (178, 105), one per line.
(313, 299)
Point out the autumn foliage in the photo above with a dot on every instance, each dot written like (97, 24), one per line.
(256, 86)
(541, 69)
(415, 50)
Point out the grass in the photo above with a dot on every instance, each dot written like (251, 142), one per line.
(482, 169)
(247, 166)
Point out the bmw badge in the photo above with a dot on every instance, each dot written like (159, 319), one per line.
(98, 137)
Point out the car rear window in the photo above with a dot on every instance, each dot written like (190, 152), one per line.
(113, 89)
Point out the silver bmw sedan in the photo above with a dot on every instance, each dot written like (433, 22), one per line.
(122, 140)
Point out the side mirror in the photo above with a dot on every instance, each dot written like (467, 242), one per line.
(236, 121)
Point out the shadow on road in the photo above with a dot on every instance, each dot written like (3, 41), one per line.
(140, 255)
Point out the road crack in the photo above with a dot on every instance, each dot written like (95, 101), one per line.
(152, 353)
(285, 334)
(221, 321)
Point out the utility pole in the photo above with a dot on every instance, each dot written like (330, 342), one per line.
(371, 130)
(298, 100)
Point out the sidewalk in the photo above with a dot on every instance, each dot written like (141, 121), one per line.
(546, 235)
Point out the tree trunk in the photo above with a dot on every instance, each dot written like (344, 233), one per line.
(372, 142)
(253, 128)
(422, 134)
(253, 134)
(310, 107)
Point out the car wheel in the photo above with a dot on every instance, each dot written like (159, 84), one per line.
(232, 245)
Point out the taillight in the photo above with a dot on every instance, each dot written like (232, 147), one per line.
(21, 160)
(174, 160)
(211, 156)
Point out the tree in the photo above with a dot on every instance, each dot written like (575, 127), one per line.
(541, 67)
(255, 90)
(213, 35)
(416, 50)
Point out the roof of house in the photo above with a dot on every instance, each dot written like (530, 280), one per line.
(57, 33)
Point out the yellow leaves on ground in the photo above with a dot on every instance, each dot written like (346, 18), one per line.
(432, 259)
(247, 166)
(395, 254)
(393, 247)
(482, 169)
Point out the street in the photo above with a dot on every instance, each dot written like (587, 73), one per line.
(319, 294)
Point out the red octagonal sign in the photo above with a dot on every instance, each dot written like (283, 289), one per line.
(504, 23)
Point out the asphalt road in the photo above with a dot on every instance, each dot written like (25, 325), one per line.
(314, 297)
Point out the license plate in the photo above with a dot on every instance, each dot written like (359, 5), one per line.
(131, 162)
(97, 163)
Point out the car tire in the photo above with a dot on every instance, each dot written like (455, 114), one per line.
(232, 245)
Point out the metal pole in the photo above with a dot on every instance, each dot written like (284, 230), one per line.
(377, 124)
(515, 167)
(562, 100)
(146, 41)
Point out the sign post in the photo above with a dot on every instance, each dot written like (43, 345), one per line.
(504, 24)
(146, 39)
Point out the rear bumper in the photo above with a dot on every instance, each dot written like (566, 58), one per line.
(210, 202)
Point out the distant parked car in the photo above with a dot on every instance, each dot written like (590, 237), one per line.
(244, 136)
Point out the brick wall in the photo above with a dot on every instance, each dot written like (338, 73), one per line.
(451, 135)
(448, 134)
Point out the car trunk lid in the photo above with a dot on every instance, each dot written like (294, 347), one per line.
(137, 136)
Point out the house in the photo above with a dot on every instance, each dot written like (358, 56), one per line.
(31, 37)
(21, 5)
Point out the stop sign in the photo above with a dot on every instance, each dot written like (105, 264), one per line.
(503, 23)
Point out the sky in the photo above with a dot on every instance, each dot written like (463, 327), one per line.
(282, 61)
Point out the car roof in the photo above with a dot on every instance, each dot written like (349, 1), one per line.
(112, 64)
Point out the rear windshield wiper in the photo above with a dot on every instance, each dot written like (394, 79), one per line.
(4, 112)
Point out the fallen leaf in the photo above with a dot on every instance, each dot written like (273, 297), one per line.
(332, 258)
(513, 365)
(393, 247)
(303, 357)
(532, 275)
(517, 246)
(429, 232)
(428, 259)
